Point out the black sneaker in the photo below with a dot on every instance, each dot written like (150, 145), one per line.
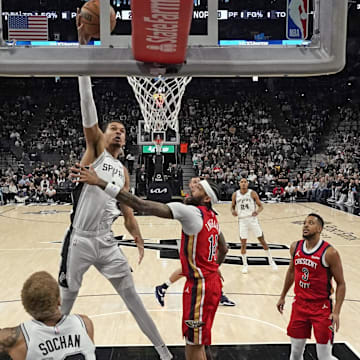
(224, 301)
(160, 292)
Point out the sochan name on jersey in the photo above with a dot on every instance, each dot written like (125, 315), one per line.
(61, 342)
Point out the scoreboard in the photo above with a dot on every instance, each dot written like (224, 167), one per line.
(240, 22)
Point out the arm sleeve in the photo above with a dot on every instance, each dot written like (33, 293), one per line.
(88, 109)
(189, 216)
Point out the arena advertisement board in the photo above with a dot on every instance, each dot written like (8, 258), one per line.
(151, 149)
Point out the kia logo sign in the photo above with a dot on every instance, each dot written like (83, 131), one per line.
(159, 191)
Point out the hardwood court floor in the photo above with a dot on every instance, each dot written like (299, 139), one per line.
(31, 237)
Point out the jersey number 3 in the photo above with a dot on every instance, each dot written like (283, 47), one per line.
(213, 247)
(305, 276)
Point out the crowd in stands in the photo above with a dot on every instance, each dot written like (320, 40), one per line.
(240, 138)
(230, 131)
(45, 184)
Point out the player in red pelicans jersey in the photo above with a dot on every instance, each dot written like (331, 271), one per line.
(202, 291)
(203, 249)
(314, 263)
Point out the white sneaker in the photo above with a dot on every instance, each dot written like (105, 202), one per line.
(163, 352)
(245, 269)
(349, 203)
(273, 265)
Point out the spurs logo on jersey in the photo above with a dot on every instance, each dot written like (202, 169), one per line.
(245, 204)
(67, 339)
(94, 210)
(312, 276)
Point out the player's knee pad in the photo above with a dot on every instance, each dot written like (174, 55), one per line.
(297, 349)
(324, 351)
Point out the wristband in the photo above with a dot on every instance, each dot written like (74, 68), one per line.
(112, 189)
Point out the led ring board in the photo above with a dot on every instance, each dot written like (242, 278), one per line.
(227, 38)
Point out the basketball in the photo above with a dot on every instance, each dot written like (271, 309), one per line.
(90, 17)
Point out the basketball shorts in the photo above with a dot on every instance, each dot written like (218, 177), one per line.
(200, 301)
(250, 223)
(82, 249)
(308, 314)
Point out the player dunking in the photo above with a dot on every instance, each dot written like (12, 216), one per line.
(243, 205)
(49, 335)
(314, 263)
(89, 240)
(203, 249)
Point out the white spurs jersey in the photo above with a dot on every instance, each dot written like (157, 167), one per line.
(94, 210)
(68, 340)
(245, 204)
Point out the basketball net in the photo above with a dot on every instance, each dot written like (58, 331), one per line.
(159, 99)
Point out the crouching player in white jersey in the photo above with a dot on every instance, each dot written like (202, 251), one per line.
(49, 335)
(243, 206)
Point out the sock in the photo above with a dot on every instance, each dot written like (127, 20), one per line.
(269, 256)
(163, 352)
(167, 284)
(244, 259)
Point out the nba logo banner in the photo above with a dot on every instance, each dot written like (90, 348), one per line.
(297, 19)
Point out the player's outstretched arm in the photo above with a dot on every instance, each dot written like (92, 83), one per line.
(93, 135)
(92, 132)
(80, 174)
(332, 258)
(289, 280)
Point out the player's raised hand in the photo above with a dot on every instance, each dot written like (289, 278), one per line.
(335, 321)
(139, 241)
(80, 173)
(280, 305)
(83, 37)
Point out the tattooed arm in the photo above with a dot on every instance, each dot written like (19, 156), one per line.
(9, 337)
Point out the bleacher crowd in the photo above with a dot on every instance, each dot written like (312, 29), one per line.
(274, 138)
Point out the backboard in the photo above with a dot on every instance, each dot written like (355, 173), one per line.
(146, 137)
(227, 38)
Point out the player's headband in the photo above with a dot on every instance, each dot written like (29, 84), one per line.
(209, 191)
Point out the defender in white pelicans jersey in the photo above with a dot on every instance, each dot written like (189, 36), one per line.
(49, 335)
(243, 205)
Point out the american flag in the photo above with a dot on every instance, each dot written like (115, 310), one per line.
(31, 27)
